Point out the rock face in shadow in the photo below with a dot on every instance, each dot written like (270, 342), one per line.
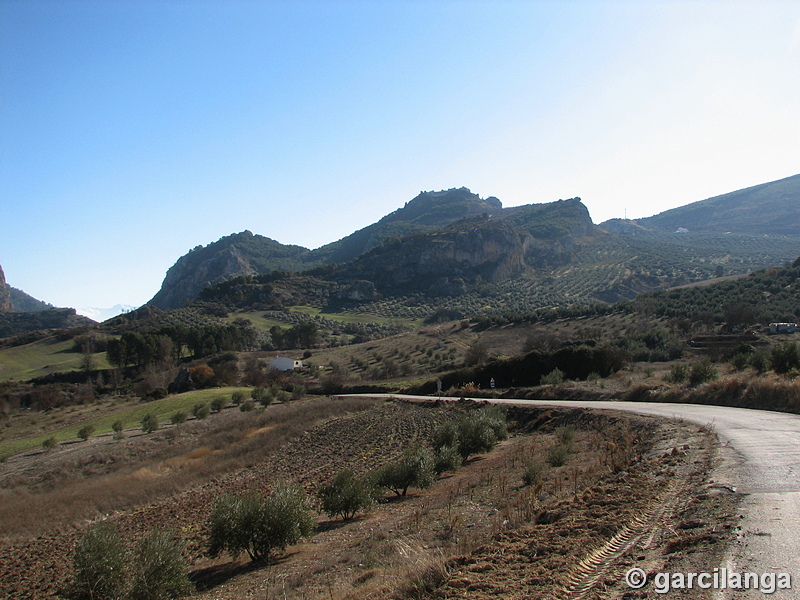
(5, 294)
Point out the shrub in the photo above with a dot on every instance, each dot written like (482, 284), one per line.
(557, 455)
(554, 377)
(262, 395)
(159, 571)
(702, 371)
(447, 459)
(415, 469)
(785, 357)
(282, 396)
(201, 411)
(85, 431)
(679, 373)
(238, 397)
(118, 426)
(565, 434)
(247, 406)
(50, 443)
(257, 525)
(346, 495)
(178, 417)
(480, 431)
(533, 473)
(218, 403)
(100, 569)
(149, 423)
(298, 392)
(759, 361)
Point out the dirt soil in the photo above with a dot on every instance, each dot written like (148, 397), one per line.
(634, 491)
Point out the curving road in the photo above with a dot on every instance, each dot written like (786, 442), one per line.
(761, 458)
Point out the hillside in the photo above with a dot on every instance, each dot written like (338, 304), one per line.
(769, 209)
(453, 243)
(232, 256)
(427, 212)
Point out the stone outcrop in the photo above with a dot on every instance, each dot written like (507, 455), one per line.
(5, 294)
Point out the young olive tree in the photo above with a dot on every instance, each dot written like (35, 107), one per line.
(258, 525)
(347, 495)
(417, 468)
(100, 566)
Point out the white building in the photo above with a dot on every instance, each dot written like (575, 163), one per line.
(281, 363)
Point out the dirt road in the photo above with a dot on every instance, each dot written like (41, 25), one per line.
(761, 459)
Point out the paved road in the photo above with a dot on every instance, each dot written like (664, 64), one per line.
(761, 458)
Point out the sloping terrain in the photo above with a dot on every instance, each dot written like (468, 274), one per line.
(457, 539)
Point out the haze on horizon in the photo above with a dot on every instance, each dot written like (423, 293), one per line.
(131, 132)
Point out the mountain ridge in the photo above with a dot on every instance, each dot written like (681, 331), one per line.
(444, 242)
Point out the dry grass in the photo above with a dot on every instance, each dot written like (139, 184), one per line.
(115, 475)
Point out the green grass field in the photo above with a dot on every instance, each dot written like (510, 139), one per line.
(130, 413)
(39, 358)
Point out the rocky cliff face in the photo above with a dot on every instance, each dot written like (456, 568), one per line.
(186, 279)
(5, 294)
(439, 263)
(232, 256)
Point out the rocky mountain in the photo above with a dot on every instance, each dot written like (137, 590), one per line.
(481, 248)
(232, 256)
(5, 294)
(427, 212)
(453, 242)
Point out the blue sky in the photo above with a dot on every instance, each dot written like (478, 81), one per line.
(131, 132)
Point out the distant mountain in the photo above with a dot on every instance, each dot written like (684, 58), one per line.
(103, 314)
(767, 209)
(455, 243)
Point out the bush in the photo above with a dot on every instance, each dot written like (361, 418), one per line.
(679, 373)
(262, 395)
(50, 443)
(100, 569)
(85, 432)
(247, 406)
(702, 371)
(481, 430)
(533, 473)
(759, 361)
(557, 455)
(565, 434)
(447, 459)
(238, 397)
(118, 426)
(149, 423)
(298, 392)
(785, 357)
(159, 571)
(415, 469)
(554, 377)
(218, 403)
(178, 417)
(346, 495)
(257, 525)
(201, 411)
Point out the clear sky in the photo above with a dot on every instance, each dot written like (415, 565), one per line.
(132, 131)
